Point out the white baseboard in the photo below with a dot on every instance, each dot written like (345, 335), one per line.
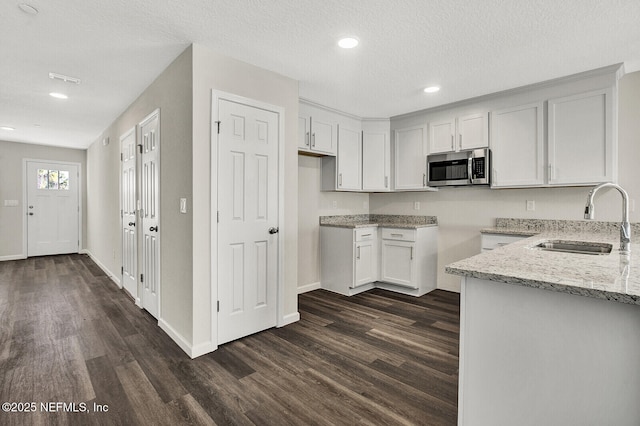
(192, 351)
(106, 270)
(13, 257)
(289, 319)
(309, 287)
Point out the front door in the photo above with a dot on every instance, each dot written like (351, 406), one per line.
(248, 219)
(149, 212)
(53, 208)
(128, 202)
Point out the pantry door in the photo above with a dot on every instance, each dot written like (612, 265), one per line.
(247, 228)
(53, 208)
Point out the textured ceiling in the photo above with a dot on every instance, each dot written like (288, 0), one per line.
(469, 48)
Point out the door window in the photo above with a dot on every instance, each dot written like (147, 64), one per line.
(53, 179)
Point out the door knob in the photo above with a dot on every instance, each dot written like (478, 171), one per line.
(132, 224)
(30, 213)
(153, 228)
(273, 230)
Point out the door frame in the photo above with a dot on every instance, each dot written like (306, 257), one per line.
(25, 244)
(216, 96)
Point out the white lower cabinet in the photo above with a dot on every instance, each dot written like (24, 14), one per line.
(401, 260)
(490, 241)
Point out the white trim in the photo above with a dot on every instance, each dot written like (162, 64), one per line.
(106, 270)
(216, 96)
(309, 287)
(289, 319)
(13, 257)
(125, 135)
(202, 349)
(176, 337)
(25, 248)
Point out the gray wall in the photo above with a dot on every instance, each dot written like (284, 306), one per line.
(12, 178)
(462, 212)
(172, 93)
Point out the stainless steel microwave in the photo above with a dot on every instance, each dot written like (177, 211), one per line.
(462, 168)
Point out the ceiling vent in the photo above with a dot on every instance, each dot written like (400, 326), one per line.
(65, 78)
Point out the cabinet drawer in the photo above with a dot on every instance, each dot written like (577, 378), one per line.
(493, 241)
(398, 234)
(366, 234)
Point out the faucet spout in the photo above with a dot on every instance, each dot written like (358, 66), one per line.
(625, 226)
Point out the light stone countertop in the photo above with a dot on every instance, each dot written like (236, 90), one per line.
(378, 220)
(613, 276)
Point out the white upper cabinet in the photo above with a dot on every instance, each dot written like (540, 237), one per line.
(317, 131)
(459, 133)
(349, 157)
(581, 139)
(376, 156)
(517, 146)
(410, 159)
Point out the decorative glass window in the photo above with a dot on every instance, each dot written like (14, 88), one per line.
(53, 179)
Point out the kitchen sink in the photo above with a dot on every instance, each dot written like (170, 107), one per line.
(580, 247)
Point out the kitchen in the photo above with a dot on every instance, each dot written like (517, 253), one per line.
(461, 212)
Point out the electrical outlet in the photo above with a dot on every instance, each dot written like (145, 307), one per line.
(183, 205)
(531, 205)
(334, 204)
(416, 205)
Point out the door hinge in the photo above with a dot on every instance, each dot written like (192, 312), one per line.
(141, 278)
(121, 157)
(140, 146)
(218, 123)
(218, 304)
(218, 216)
(122, 270)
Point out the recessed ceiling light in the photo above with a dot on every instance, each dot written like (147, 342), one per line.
(348, 42)
(431, 89)
(7, 128)
(58, 95)
(27, 8)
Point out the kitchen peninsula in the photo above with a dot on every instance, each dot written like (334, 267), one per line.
(550, 337)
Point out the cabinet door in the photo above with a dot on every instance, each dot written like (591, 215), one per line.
(410, 159)
(375, 161)
(473, 131)
(304, 136)
(365, 263)
(581, 139)
(398, 265)
(323, 134)
(349, 159)
(441, 136)
(517, 146)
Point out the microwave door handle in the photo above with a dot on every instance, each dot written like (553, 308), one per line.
(470, 169)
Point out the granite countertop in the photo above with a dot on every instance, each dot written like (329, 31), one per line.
(613, 276)
(379, 220)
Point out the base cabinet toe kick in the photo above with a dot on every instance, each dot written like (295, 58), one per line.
(354, 260)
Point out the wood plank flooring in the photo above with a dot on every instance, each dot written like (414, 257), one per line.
(68, 334)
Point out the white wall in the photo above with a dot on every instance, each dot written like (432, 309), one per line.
(12, 177)
(313, 203)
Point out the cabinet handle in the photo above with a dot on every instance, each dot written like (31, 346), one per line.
(453, 147)
(340, 179)
(411, 252)
(397, 235)
(550, 172)
(386, 181)
(366, 235)
(313, 140)
(306, 139)
(424, 179)
(358, 254)
(460, 140)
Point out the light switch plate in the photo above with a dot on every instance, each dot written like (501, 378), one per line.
(183, 205)
(531, 205)
(416, 205)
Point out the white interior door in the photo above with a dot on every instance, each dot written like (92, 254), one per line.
(149, 212)
(128, 194)
(53, 208)
(248, 220)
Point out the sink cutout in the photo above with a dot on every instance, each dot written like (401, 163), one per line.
(579, 247)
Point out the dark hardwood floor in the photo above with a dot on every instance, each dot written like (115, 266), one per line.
(69, 335)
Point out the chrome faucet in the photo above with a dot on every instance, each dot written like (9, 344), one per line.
(625, 227)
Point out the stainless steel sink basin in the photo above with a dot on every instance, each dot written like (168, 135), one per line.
(581, 247)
